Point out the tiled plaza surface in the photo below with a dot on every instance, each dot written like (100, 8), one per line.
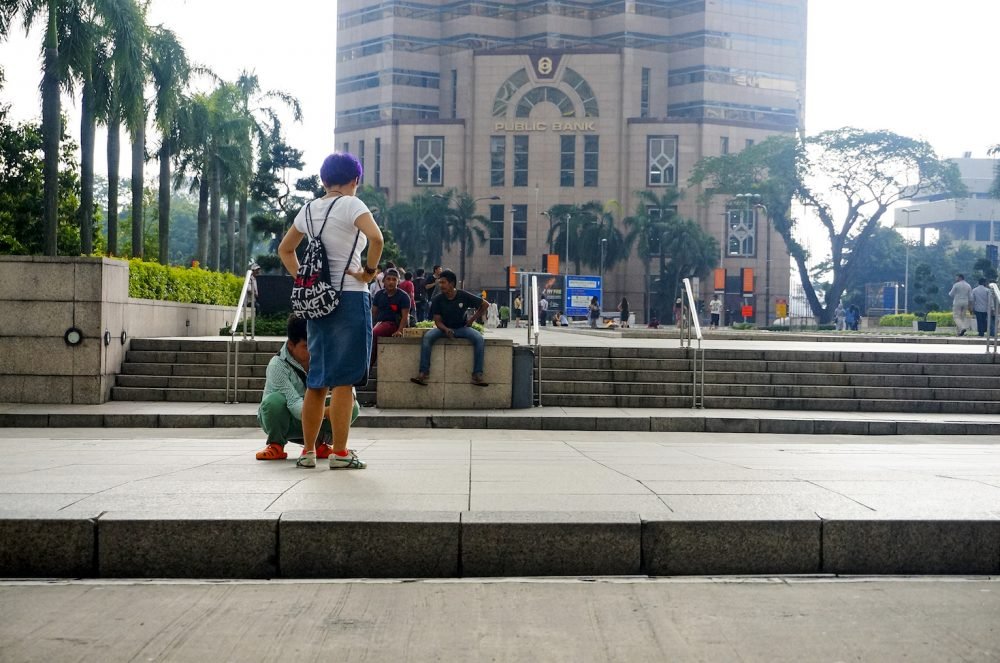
(86, 472)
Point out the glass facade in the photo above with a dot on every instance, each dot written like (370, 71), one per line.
(644, 93)
(496, 230)
(520, 161)
(498, 160)
(591, 159)
(567, 161)
(520, 235)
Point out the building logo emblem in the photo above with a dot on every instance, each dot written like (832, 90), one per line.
(545, 66)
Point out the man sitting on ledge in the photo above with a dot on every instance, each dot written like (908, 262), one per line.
(453, 312)
(280, 412)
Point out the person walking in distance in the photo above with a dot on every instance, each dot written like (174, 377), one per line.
(961, 298)
(340, 343)
(715, 310)
(454, 311)
(432, 289)
(518, 307)
(543, 310)
(981, 305)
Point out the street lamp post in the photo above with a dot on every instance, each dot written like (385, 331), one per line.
(767, 265)
(604, 246)
(510, 263)
(906, 272)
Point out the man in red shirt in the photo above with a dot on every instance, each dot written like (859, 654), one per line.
(390, 310)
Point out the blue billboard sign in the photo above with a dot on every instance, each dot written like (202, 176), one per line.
(579, 290)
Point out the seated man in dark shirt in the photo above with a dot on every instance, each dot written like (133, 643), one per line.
(453, 312)
(390, 310)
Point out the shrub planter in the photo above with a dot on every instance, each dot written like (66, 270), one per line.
(926, 325)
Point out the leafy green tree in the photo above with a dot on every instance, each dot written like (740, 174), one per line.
(462, 226)
(170, 72)
(849, 179)
(645, 229)
(685, 251)
(421, 228)
(22, 189)
(62, 17)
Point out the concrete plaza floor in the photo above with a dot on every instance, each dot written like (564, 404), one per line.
(748, 620)
(685, 475)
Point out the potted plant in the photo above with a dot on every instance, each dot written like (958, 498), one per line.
(923, 324)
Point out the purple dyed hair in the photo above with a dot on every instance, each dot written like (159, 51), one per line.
(340, 168)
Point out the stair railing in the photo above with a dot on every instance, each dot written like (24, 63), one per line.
(534, 336)
(689, 323)
(246, 313)
(992, 340)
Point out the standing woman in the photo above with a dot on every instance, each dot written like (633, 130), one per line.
(340, 344)
(594, 312)
(623, 307)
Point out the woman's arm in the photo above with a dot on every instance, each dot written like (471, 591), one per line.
(366, 224)
(286, 250)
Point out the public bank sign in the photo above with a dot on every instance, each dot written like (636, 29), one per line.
(564, 126)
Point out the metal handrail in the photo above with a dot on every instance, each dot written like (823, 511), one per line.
(533, 331)
(992, 341)
(245, 311)
(689, 319)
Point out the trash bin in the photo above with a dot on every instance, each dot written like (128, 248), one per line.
(522, 378)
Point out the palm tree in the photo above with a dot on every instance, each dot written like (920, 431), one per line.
(170, 70)
(645, 229)
(579, 219)
(462, 225)
(691, 250)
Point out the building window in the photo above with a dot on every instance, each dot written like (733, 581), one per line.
(361, 157)
(742, 233)
(520, 234)
(749, 142)
(496, 230)
(429, 161)
(591, 158)
(982, 231)
(454, 92)
(498, 160)
(644, 95)
(724, 145)
(567, 160)
(662, 160)
(347, 147)
(378, 163)
(520, 161)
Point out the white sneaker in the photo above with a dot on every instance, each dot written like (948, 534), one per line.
(348, 462)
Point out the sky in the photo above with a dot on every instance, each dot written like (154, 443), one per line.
(922, 68)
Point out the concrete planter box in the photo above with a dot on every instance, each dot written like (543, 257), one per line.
(451, 370)
(43, 297)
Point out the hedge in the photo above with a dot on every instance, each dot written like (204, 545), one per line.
(150, 280)
(943, 318)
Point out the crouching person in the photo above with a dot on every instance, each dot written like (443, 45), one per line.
(280, 412)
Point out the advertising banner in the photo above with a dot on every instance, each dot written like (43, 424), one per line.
(579, 290)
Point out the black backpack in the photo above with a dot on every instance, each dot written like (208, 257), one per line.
(313, 294)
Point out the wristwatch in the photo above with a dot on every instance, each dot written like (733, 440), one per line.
(369, 270)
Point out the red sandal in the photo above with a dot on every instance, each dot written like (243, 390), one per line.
(273, 451)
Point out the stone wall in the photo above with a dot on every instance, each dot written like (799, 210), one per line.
(451, 368)
(41, 298)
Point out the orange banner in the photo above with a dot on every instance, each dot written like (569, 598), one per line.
(746, 277)
(720, 279)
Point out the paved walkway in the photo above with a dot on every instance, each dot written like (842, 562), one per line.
(690, 475)
(747, 620)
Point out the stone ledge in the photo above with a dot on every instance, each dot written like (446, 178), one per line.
(719, 547)
(911, 546)
(143, 546)
(47, 546)
(369, 544)
(496, 543)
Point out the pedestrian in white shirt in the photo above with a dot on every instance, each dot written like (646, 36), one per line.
(961, 298)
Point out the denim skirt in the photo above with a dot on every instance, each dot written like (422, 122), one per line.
(340, 345)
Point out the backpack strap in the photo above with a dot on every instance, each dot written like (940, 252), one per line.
(357, 236)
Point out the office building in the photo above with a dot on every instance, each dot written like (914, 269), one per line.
(546, 102)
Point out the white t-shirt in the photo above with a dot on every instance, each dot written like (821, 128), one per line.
(715, 307)
(338, 236)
